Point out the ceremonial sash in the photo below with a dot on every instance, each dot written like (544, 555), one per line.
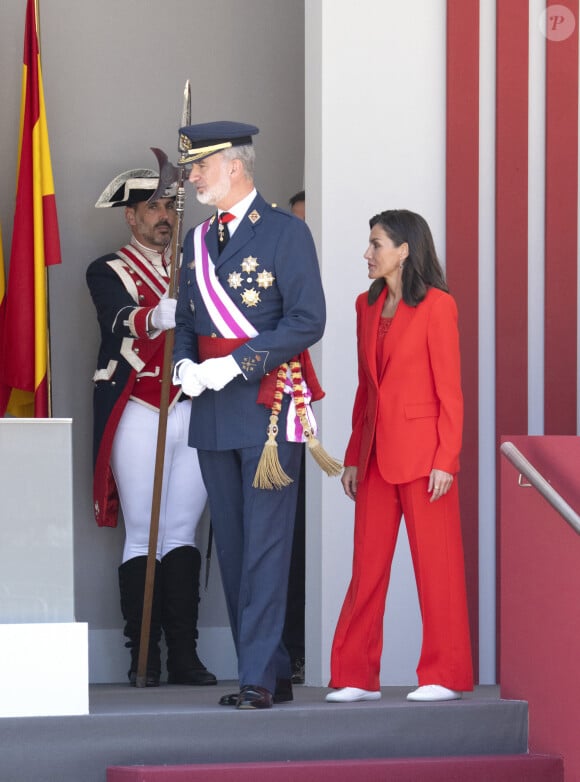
(232, 324)
(228, 319)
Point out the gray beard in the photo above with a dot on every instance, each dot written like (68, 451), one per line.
(213, 196)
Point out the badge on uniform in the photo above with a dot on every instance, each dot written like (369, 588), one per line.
(249, 264)
(251, 297)
(235, 280)
(265, 279)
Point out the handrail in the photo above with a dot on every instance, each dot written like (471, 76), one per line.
(539, 483)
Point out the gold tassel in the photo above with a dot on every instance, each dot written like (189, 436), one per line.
(269, 472)
(329, 464)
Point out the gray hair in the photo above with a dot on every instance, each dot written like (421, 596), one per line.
(246, 153)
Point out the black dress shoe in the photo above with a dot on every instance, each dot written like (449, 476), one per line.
(229, 700)
(194, 676)
(254, 697)
(283, 692)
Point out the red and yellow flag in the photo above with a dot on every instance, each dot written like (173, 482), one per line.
(24, 347)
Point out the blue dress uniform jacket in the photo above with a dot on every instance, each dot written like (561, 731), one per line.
(270, 270)
(281, 296)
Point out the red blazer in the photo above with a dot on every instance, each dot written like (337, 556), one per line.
(413, 406)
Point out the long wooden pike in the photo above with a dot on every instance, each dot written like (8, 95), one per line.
(141, 680)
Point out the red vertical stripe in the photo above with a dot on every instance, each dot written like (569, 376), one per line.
(561, 370)
(512, 218)
(462, 217)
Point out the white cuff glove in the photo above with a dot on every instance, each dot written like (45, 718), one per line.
(163, 316)
(187, 374)
(216, 373)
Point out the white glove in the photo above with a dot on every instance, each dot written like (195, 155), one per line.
(187, 374)
(215, 373)
(163, 316)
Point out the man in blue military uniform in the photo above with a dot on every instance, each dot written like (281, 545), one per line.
(250, 304)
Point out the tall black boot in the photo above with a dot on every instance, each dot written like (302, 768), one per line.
(132, 586)
(180, 577)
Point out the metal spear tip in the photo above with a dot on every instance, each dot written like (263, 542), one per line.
(186, 113)
(168, 176)
(185, 121)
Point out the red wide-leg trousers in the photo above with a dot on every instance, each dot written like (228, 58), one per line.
(434, 532)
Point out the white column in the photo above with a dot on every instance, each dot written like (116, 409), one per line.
(375, 140)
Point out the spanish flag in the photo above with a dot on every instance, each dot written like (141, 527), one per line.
(24, 344)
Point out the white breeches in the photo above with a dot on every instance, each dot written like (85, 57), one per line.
(183, 495)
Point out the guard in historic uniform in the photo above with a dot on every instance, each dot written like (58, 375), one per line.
(129, 290)
(250, 304)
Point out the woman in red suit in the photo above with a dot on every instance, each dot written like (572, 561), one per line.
(401, 460)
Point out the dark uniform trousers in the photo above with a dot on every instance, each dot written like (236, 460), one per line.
(253, 534)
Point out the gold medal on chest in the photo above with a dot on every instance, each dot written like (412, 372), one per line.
(251, 297)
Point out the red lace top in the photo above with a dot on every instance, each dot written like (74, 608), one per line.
(384, 326)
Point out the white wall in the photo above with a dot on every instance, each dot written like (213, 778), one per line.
(375, 125)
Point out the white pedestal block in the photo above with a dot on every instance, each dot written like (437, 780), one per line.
(36, 495)
(44, 669)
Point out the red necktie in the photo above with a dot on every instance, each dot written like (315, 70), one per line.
(223, 230)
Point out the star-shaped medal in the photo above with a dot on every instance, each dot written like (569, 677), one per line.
(250, 297)
(235, 280)
(249, 264)
(265, 279)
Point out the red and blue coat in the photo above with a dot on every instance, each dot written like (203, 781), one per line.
(125, 288)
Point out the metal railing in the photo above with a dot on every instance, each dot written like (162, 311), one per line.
(539, 483)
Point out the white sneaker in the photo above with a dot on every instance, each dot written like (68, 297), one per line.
(351, 694)
(433, 692)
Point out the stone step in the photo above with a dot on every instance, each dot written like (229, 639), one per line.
(180, 725)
